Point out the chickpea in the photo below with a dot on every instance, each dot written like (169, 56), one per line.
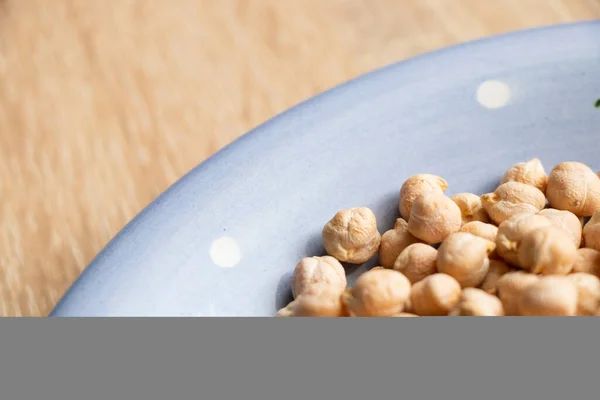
(510, 287)
(465, 258)
(435, 295)
(404, 314)
(415, 186)
(481, 229)
(530, 173)
(393, 242)
(512, 198)
(433, 217)
(588, 260)
(574, 187)
(548, 251)
(496, 271)
(511, 233)
(588, 292)
(352, 236)
(313, 271)
(565, 220)
(470, 207)
(377, 293)
(477, 303)
(591, 232)
(322, 301)
(549, 296)
(417, 261)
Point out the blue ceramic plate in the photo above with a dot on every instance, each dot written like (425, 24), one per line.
(224, 240)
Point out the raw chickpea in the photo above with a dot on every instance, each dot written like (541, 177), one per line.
(591, 232)
(314, 271)
(417, 261)
(573, 186)
(496, 271)
(470, 207)
(510, 287)
(549, 296)
(433, 217)
(565, 220)
(548, 251)
(588, 291)
(481, 229)
(393, 242)
(415, 186)
(352, 236)
(477, 303)
(465, 258)
(377, 293)
(323, 301)
(530, 173)
(435, 295)
(404, 314)
(512, 198)
(511, 233)
(588, 260)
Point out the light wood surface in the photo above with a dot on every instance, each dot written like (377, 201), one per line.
(103, 104)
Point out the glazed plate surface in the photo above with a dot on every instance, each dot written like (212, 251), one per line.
(224, 240)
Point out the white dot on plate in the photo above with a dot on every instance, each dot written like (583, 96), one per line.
(493, 94)
(225, 252)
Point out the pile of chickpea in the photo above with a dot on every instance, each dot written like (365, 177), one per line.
(527, 249)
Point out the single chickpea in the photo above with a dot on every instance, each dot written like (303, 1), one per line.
(377, 293)
(591, 232)
(588, 260)
(417, 261)
(470, 207)
(393, 242)
(404, 314)
(323, 301)
(588, 292)
(530, 173)
(477, 303)
(512, 198)
(510, 287)
(415, 186)
(465, 258)
(481, 229)
(565, 220)
(433, 217)
(496, 271)
(435, 295)
(511, 233)
(352, 236)
(549, 296)
(574, 187)
(547, 251)
(314, 271)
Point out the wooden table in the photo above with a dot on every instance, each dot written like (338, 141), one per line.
(105, 104)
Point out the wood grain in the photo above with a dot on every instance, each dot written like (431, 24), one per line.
(103, 104)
